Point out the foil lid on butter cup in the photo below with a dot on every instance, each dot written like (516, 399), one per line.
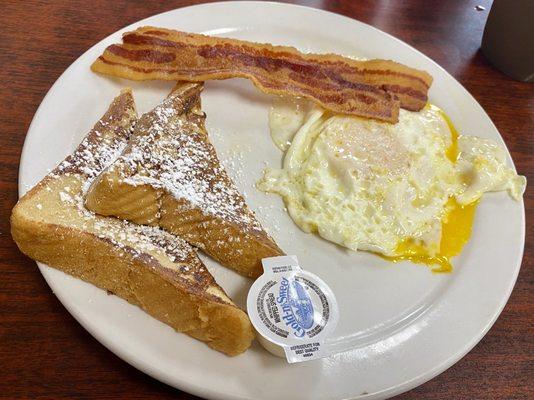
(293, 310)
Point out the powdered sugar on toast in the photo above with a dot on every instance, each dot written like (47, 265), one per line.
(170, 150)
(99, 150)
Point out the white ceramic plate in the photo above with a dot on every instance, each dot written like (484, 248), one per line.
(407, 324)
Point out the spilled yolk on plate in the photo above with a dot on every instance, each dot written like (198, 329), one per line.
(456, 229)
(456, 225)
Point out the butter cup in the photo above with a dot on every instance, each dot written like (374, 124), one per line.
(292, 310)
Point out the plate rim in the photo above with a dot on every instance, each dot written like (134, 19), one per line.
(208, 392)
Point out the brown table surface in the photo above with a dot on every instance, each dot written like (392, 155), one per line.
(45, 353)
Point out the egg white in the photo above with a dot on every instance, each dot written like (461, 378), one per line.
(370, 185)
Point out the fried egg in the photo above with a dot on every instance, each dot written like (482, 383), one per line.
(406, 191)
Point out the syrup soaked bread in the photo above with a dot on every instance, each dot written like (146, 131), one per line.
(144, 265)
(169, 176)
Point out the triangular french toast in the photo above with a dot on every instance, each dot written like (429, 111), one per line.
(169, 176)
(144, 265)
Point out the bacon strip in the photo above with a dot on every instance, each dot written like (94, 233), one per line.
(373, 88)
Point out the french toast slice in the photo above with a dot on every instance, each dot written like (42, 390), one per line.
(169, 176)
(144, 265)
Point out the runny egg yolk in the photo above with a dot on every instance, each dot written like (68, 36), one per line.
(455, 233)
(456, 225)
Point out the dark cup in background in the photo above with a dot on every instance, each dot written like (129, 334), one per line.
(508, 41)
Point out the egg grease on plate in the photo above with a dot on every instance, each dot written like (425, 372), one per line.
(406, 191)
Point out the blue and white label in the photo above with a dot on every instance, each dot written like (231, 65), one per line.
(296, 304)
(292, 308)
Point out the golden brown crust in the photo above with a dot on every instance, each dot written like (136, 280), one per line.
(229, 243)
(170, 176)
(146, 266)
(190, 310)
(374, 88)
